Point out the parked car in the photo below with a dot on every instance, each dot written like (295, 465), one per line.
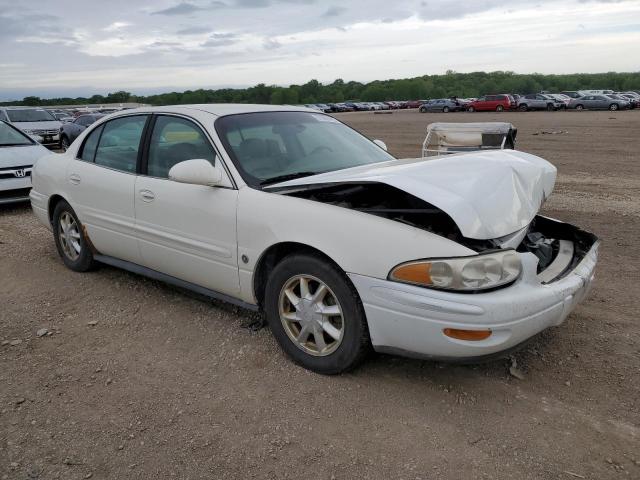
(571, 94)
(62, 116)
(440, 105)
(417, 260)
(323, 107)
(35, 122)
(623, 102)
(18, 154)
(69, 131)
(562, 99)
(497, 103)
(595, 102)
(633, 101)
(594, 92)
(414, 103)
(538, 101)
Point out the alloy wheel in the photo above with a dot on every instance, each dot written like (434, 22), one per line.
(69, 235)
(311, 315)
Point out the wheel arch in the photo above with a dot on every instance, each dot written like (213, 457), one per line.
(54, 200)
(274, 255)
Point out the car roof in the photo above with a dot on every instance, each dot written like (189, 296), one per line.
(222, 109)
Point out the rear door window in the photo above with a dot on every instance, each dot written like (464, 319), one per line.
(120, 142)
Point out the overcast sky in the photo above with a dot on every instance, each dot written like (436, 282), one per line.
(83, 47)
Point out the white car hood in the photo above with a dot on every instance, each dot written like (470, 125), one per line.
(487, 194)
(21, 156)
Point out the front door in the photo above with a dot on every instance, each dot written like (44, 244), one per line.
(186, 231)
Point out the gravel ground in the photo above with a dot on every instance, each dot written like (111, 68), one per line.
(135, 379)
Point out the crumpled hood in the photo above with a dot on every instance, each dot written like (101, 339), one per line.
(487, 194)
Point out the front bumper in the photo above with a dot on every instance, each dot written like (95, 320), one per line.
(48, 140)
(409, 320)
(14, 190)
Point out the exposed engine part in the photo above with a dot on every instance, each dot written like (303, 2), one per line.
(558, 246)
(389, 202)
(542, 247)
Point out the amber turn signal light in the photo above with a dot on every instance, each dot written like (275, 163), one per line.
(470, 335)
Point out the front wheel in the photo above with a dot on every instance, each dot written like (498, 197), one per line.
(64, 143)
(316, 315)
(499, 108)
(471, 109)
(613, 107)
(70, 240)
(445, 110)
(579, 107)
(523, 108)
(423, 109)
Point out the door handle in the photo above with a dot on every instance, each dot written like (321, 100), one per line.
(147, 195)
(74, 179)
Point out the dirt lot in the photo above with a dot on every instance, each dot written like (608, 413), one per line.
(166, 385)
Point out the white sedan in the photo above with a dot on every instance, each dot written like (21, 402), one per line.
(18, 154)
(345, 248)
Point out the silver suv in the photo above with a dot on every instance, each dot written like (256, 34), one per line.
(38, 123)
(538, 101)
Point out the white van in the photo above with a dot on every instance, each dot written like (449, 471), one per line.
(595, 92)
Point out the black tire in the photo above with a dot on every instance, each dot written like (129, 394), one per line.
(355, 344)
(579, 107)
(523, 108)
(550, 107)
(85, 261)
(613, 107)
(64, 143)
(423, 109)
(471, 109)
(445, 110)
(499, 108)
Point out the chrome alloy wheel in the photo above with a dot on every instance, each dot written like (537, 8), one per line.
(311, 315)
(69, 235)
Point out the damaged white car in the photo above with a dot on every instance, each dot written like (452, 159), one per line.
(344, 247)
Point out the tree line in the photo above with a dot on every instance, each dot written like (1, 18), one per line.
(462, 85)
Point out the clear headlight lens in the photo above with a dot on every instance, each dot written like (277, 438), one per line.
(479, 272)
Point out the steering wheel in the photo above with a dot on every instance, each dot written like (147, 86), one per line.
(320, 149)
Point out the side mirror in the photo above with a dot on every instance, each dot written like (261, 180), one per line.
(381, 144)
(196, 172)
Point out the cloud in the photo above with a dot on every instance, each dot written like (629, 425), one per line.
(173, 42)
(193, 30)
(183, 8)
(115, 26)
(334, 11)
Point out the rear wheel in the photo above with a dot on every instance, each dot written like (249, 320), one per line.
(471, 109)
(445, 110)
(423, 109)
(613, 107)
(316, 315)
(499, 108)
(70, 240)
(579, 107)
(523, 108)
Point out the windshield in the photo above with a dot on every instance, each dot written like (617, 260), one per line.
(268, 147)
(10, 136)
(30, 115)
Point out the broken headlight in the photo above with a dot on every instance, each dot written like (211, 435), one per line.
(467, 274)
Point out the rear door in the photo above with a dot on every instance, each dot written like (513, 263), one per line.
(186, 231)
(101, 184)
